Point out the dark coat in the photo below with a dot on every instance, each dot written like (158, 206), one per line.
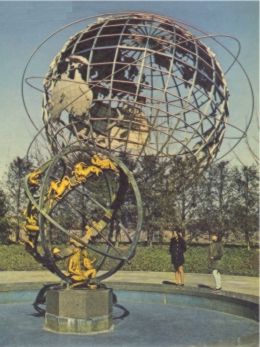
(215, 252)
(177, 249)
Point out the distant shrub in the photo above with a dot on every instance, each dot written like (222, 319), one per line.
(236, 260)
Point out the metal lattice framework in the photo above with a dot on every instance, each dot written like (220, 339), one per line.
(129, 85)
(138, 84)
(104, 191)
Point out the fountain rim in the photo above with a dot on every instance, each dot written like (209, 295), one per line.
(224, 295)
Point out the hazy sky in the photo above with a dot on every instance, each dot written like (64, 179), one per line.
(24, 25)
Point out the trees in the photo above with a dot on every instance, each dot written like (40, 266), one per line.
(4, 225)
(216, 195)
(150, 181)
(224, 199)
(245, 210)
(18, 168)
(167, 195)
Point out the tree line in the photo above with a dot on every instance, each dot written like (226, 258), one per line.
(223, 199)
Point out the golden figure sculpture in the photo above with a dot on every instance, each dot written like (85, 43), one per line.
(103, 163)
(83, 171)
(34, 178)
(88, 265)
(80, 173)
(59, 187)
(31, 223)
(101, 224)
(80, 266)
(89, 232)
(30, 227)
(93, 228)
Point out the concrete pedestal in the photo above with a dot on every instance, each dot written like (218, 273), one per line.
(79, 311)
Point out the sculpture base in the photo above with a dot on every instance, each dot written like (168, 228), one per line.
(79, 311)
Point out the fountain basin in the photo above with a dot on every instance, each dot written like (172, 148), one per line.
(160, 315)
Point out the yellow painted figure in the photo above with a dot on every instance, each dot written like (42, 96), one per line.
(30, 227)
(80, 266)
(79, 175)
(59, 187)
(31, 217)
(88, 265)
(83, 171)
(34, 178)
(31, 223)
(103, 163)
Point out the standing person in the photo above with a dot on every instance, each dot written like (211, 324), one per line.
(177, 249)
(215, 255)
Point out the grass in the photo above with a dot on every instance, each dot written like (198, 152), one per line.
(236, 260)
(14, 257)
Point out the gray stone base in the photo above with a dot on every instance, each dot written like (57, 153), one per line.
(79, 311)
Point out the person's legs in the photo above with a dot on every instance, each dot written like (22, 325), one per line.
(217, 278)
(181, 272)
(177, 277)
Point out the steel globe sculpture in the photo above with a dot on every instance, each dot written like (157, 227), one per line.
(128, 86)
(138, 84)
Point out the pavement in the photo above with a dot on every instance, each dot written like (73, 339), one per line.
(237, 284)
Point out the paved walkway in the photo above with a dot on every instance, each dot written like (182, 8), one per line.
(237, 284)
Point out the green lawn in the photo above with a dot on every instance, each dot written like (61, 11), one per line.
(236, 260)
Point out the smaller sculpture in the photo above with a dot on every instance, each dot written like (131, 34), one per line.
(103, 163)
(34, 178)
(30, 229)
(83, 171)
(57, 188)
(80, 266)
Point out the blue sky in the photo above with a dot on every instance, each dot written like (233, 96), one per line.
(24, 25)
